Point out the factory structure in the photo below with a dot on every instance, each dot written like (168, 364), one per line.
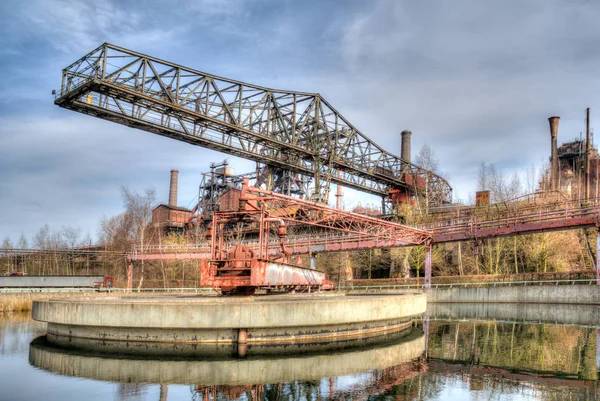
(220, 187)
(170, 217)
(574, 172)
(574, 166)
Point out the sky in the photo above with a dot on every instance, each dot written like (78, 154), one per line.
(474, 80)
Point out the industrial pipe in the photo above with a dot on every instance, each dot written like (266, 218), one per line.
(554, 152)
(173, 188)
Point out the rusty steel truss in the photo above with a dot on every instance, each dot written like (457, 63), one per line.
(241, 268)
(304, 212)
(528, 219)
(525, 219)
(294, 133)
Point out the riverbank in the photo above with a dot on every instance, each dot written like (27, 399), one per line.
(22, 302)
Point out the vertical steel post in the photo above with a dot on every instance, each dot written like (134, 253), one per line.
(597, 349)
(213, 237)
(260, 235)
(428, 264)
(587, 153)
(426, 332)
(597, 256)
(104, 61)
(129, 275)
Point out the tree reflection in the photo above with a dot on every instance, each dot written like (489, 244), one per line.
(479, 360)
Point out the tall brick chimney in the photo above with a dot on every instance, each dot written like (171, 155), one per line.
(173, 188)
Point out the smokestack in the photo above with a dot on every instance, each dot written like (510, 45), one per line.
(338, 196)
(554, 152)
(173, 188)
(405, 146)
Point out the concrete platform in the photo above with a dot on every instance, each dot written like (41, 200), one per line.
(395, 350)
(243, 320)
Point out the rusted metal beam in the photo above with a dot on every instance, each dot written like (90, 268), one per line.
(305, 212)
(516, 229)
(295, 131)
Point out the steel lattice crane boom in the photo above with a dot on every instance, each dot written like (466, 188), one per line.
(294, 132)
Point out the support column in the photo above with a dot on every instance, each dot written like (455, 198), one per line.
(597, 349)
(428, 247)
(242, 343)
(598, 255)
(426, 332)
(129, 275)
(313, 261)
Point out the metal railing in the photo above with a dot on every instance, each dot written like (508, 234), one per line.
(368, 288)
(516, 216)
(465, 285)
(105, 290)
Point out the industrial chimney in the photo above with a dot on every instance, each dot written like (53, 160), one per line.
(173, 188)
(405, 146)
(554, 152)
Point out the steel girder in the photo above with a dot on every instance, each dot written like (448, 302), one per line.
(295, 131)
(304, 212)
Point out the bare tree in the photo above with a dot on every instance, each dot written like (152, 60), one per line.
(70, 235)
(116, 232)
(501, 188)
(426, 159)
(434, 192)
(532, 180)
(87, 240)
(41, 239)
(7, 243)
(482, 177)
(22, 244)
(138, 207)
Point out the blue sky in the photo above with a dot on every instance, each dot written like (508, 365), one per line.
(475, 80)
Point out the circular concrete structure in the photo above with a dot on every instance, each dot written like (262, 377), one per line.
(227, 320)
(393, 351)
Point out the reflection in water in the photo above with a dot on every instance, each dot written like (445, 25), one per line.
(561, 351)
(286, 367)
(563, 314)
(466, 360)
(543, 361)
(214, 351)
(17, 331)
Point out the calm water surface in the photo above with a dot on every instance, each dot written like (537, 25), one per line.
(442, 358)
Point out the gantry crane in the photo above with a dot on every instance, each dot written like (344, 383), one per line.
(297, 136)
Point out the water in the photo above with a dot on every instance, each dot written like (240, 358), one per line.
(470, 355)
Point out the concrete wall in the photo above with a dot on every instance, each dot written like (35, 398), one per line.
(565, 314)
(209, 312)
(547, 294)
(229, 371)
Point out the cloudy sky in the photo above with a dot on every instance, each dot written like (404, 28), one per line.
(475, 80)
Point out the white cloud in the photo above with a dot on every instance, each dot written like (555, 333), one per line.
(475, 80)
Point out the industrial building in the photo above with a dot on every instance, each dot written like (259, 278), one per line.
(574, 166)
